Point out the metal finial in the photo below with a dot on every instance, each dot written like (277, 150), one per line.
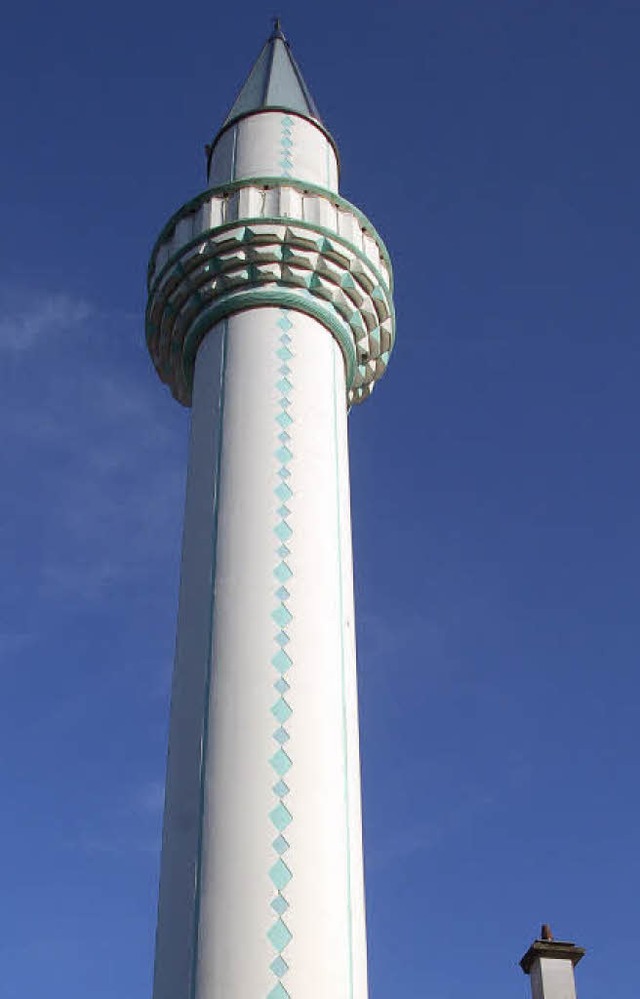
(277, 28)
(545, 932)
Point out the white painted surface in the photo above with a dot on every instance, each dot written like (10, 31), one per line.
(176, 905)
(255, 145)
(327, 952)
(552, 978)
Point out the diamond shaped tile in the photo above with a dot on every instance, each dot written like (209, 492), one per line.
(283, 551)
(284, 323)
(280, 904)
(284, 455)
(279, 992)
(280, 845)
(284, 386)
(281, 685)
(280, 763)
(283, 492)
(282, 661)
(281, 711)
(284, 419)
(283, 531)
(282, 593)
(281, 735)
(281, 789)
(284, 353)
(282, 639)
(280, 816)
(282, 616)
(282, 572)
(280, 874)
(279, 966)
(279, 934)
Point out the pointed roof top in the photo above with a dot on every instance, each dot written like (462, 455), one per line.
(274, 82)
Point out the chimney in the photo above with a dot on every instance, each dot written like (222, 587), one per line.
(549, 964)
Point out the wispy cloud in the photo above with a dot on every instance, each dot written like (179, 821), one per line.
(24, 325)
(96, 450)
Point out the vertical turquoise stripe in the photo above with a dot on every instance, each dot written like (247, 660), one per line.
(209, 666)
(280, 874)
(286, 145)
(343, 674)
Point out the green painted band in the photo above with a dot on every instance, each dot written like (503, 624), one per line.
(267, 182)
(275, 220)
(241, 301)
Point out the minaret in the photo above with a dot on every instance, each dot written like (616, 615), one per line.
(270, 314)
(549, 964)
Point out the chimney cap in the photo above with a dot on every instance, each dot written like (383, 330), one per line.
(546, 946)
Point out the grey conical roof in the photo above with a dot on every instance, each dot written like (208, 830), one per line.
(274, 82)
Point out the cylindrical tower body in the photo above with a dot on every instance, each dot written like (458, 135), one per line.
(269, 310)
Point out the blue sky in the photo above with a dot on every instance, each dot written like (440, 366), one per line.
(495, 476)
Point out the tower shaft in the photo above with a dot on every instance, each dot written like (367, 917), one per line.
(262, 855)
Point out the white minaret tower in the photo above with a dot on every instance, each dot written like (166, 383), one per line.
(270, 314)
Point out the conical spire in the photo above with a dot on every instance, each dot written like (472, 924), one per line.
(274, 82)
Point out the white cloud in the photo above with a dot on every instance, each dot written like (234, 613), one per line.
(95, 451)
(24, 325)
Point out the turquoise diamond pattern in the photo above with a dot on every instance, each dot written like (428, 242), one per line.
(286, 145)
(280, 904)
(281, 816)
(283, 492)
(279, 992)
(279, 966)
(284, 419)
(282, 616)
(280, 845)
(280, 874)
(281, 711)
(282, 661)
(281, 762)
(279, 935)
